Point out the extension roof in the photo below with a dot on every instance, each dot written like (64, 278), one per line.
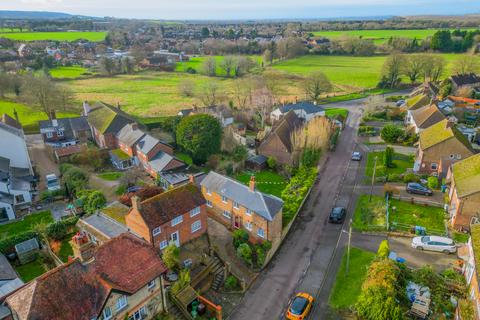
(466, 174)
(107, 118)
(427, 116)
(441, 132)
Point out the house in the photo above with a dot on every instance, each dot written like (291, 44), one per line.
(461, 81)
(175, 216)
(123, 279)
(427, 88)
(9, 280)
(277, 143)
(176, 178)
(156, 156)
(239, 206)
(125, 156)
(304, 110)
(65, 132)
(439, 146)
(222, 113)
(105, 122)
(417, 101)
(16, 172)
(464, 194)
(471, 268)
(422, 118)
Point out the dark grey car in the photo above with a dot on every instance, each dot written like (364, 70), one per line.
(417, 188)
(337, 215)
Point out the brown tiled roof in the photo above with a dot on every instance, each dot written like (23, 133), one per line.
(67, 151)
(284, 129)
(427, 116)
(171, 204)
(78, 292)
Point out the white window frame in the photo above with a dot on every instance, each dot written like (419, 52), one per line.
(177, 221)
(227, 214)
(248, 226)
(261, 233)
(60, 133)
(151, 284)
(434, 164)
(156, 231)
(209, 204)
(194, 212)
(197, 225)
(248, 212)
(163, 244)
(236, 205)
(122, 302)
(224, 199)
(49, 135)
(105, 315)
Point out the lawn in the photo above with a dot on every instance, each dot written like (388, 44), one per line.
(196, 63)
(401, 161)
(333, 112)
(66, 248)
(73, 72)
(28, 117)
(378, 36)
(31, 270)
(347, 287)
(26, 224)
(95, 36)
(110, 176)
(370, 215)
(266, 181)
(184, 157)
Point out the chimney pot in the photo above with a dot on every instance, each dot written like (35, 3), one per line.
(252, 183)
(191, 178)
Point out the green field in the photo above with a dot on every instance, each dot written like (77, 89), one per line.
(94, 36)
(72, 72)
(196, 63)
(378, 36)
(28, 118)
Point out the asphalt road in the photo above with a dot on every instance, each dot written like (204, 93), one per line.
(303, 259)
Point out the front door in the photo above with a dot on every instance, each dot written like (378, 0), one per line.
(175, 238)
(237, 222)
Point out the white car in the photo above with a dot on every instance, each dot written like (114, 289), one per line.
(52, 182)
(434, 243)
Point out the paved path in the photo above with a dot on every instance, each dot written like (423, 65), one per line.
(42, 161)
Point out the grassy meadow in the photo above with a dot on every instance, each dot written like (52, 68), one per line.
(95, 36)
(72, 72)
(196, 63)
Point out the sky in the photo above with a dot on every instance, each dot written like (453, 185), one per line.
(245, 9)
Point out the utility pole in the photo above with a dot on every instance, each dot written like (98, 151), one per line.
(373, 178)
(348, 247)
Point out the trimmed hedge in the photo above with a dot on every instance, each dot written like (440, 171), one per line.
(7, 244)
(59, 229)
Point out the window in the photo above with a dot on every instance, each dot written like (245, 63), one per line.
(107, 313)
(194, 211)
(248, 212)
(163, 244)
(261, 233)
(19, 198)
(121, 302)
(224, 199)
(197, 225)
(139, 314)
(452, 156)
(177, 220)
(60, 133)
(434, 166)
(227, 214)
(93, 238)
(151, 284)
(156, 231)
(235, 204)
(49, 134)
(248, 226)
(459, 156)
(209, 203)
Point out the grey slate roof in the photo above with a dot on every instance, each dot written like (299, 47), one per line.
(69, 125)
(465, 79)
(104, 224)
(6, 270)
(147, 143)
(160, 161)
(175, 178)
(4, 165)
(130, 134)
(264, 205)
(308, 107)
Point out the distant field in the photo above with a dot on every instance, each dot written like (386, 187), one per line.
(354, 72)
(378, 36)
(95, 36)
(73, 72)
(28, 118)
(196, 63)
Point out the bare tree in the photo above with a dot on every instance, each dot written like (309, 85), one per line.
(413, 66)
(262, 102)
(392, 70)
(65, 97)
(132, 176)
(228, 140)
(466, 63)
(187, 88)
(41, 92)
(268, 56)
(316, 84)
(107, 66)
(209, 94)
(209, 67)
(242, 92)
(314, 135)
(227, 64)
(433, 67)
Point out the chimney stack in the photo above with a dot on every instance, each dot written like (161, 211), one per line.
(191, 178)
(136, 203)
(252, 183)
(15, 114)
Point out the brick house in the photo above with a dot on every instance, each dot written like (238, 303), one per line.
(65, 132)
(128, 137)
(439, 146)
(464, 194)
(156, 156)
(177, 215)
(239, 206)
(422, 118)
(305, 110)
(105, 123)
(460, 81)
(277, 143)
(124, 280)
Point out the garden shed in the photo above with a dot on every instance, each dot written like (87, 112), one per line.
(27, 250)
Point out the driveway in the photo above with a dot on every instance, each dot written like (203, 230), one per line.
(41, 159)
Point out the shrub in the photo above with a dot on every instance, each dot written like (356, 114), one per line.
(240, 153)
(92, 200)
(170, 256)
(388, 157)
(245, 253)
(432, 182)
(271, 163)
(410, 177)
(266, 245)
(121, 189)
(93, 157)
(7, 243)
(64, 167)
(231, 283)
(391, 133)
(393, 177)
(59, 229)
(383, 249)
(239, 236)
(75, 179)
(260, 256)
(182, 282)
(310, 157)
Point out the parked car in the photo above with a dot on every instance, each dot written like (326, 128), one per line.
(434, 243)
(52, 182)
(417, 188)
(400, 103)
(300, 306)
(337, 215)
(356, 156)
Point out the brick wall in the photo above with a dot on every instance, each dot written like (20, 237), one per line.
(159, 147)
(135, 222)
(126, 149)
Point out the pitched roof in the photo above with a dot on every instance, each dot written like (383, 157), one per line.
(417, 101)
(163, 161)
(147, 143)
(75, 291)
(284, 128)
(166, 206)
(69, 150)
(107, 118)
(465, 79)
(427, 116)
(130, 134)
(69, 125)
(306, 106)
(264, 205)
(440, 132)
(6, 270)
(104, 224)
(466, 174)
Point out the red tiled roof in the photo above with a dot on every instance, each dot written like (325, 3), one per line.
(78, 292)
(68, 151)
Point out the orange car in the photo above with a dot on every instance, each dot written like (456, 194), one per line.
(300, 306)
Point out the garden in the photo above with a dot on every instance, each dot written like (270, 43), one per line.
(253, 255)
(267, 181)
(390, 165)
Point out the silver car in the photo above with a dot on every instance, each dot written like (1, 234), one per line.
(434, 243)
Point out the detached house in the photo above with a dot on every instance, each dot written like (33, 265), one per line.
(419, 119)
(124, 156)
(105, 122)
(277, 143)
(460, 81)
(464, 178)
(123, 279)
(156, 156)
(238, 206)
(304, 110)
(65, 132)
(439, 146)
(175, 216)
